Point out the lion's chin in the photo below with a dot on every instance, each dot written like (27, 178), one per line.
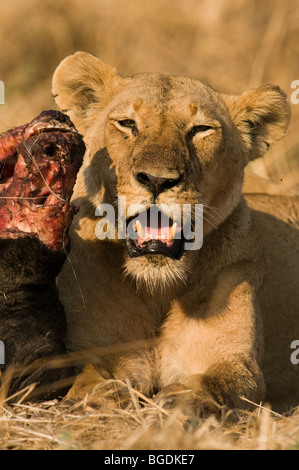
(157, 272)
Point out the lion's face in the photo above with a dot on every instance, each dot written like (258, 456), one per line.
(166, 145)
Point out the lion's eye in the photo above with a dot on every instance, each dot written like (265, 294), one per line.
(128, 123)
(198, 129)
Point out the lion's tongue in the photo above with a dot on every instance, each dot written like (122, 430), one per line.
(163, 232)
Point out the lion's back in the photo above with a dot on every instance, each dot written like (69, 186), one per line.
(276, 221)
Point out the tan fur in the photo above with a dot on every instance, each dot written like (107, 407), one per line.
(205, 311)
(255, 184)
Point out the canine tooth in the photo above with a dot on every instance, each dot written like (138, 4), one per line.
(172, 232)
(140, 229)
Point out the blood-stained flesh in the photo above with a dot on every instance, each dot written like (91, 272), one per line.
(39, 162)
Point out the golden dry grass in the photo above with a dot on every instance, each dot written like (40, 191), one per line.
(100, 422)
(114, 416)
(233, 45)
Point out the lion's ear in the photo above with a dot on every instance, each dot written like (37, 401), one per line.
(261, 116)
(80, 81)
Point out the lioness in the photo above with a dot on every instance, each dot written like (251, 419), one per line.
(158, 140)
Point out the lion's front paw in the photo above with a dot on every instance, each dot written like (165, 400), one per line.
(172, 396)
(94, 387)
(192, 404)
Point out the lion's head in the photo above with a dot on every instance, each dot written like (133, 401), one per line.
(164, 142)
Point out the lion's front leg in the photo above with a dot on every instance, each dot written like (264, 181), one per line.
(223, 386)
(210, 359)
(234, 385)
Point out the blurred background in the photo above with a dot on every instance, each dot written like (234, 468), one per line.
(232, 44)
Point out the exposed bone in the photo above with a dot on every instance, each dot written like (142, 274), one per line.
(54, 127)
(36, 186)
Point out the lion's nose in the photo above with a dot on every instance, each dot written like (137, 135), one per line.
(158, 184)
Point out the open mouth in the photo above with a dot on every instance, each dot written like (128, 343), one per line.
(39, 162)
(152, 232)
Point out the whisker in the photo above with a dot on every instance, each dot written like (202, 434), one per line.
(214, 209)
(203, 217)
(213, 216)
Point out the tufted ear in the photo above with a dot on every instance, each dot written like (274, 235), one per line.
(261, 116)
(81, 81)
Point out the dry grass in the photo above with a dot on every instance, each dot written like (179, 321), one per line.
(232, 44)
(99, 422)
